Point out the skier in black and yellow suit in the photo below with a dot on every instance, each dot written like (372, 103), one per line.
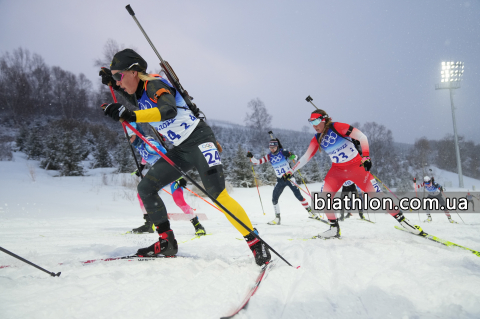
(164, 109)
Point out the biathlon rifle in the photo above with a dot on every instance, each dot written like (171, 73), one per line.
(168, 70)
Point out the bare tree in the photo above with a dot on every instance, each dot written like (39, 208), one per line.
(109, 49)
(259, 121)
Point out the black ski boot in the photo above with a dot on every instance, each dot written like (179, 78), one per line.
(148, 227)
(414, 229)
(166, 245)
(333, 232)
(258, 248)
(199, 230)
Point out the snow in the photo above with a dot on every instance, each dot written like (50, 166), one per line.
(374, 271)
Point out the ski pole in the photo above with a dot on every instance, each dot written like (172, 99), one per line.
(255, 179)
(302, 178)
(130, 144)
(203, 199)
(454, 209)
(30, 263)
(415, 186)
(300, 188)
(387, 188)
(178, 169)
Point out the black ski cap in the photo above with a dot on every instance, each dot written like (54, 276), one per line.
(124, 59)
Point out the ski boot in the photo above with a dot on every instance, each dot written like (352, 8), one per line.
(451, 220)
(333, 232)
(166, 245)
(361, 216)
(349, 215)
(429, 219)
(148, 227)
(311, 214)
(276, 221)
(258, 248)
(342, 216)
(199, 230)
(414, 229)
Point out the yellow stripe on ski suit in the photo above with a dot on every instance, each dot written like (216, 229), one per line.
(237, 210)
(148, 115)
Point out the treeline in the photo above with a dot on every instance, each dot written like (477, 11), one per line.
(57, 121)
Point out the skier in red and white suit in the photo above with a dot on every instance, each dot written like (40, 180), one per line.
(347, 164)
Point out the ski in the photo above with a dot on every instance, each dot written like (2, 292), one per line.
(262, 275)
(196, 237)
(367, 220)
(440, 241)
(127, 258)
(314, 237)
(320, 220)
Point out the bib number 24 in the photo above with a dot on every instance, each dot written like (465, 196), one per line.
(210, 152)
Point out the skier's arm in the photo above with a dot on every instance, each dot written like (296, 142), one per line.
(312, 149)
(349, 131)
(163, 99)
(263, 160)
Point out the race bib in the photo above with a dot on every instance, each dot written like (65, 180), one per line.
(375, 185)
(210, 152)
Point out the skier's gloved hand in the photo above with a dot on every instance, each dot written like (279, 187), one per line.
(249, 154)
(366, 163)
(287, 176)
(138, 172)
(107, 78)
(293, 157)
(414, 179)
(117, 111)
(182, 182)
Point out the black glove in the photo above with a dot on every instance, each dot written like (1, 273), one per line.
(367, 163)
(249, 154)
(287, 176)
(182, 182)
(139, 172)
(414, 179)
(107, 78)
(117, 111)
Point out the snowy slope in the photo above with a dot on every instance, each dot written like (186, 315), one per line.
(374, 271)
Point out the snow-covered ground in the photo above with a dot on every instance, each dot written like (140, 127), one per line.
(374, 271)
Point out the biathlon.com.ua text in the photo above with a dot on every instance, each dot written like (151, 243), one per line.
(367, 202)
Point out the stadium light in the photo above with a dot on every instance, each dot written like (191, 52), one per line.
(452, 73)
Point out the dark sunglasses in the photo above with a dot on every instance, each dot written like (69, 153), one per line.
(119, 75)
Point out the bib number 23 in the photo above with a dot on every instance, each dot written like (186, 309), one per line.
(210, 152)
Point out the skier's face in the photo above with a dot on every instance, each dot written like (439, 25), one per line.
(273, 149)
(129, 81)
(319, 128)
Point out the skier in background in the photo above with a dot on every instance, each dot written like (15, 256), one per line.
(194, 145)
(434, 190)
(278, 158)
(151, 157)
(347, 164)
(348, 188)
(470, 200)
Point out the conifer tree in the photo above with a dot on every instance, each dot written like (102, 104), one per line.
(123, 157)
(241, 172)
(70, 155)
(34, 145)
(51, 152)
(22, 138)
(101, 155)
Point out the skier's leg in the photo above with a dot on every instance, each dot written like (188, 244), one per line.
(210, 169)
(177, 194)
(277, 191)
(160, 175)
(333, 181)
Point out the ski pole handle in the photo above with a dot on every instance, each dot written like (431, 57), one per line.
(130, 10)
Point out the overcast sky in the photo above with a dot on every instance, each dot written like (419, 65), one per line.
(360, 60)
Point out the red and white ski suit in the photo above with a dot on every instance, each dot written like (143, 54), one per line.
(346, 162)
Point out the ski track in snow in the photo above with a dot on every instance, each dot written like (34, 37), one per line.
(374, 271)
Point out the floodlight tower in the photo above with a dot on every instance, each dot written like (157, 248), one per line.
(452, 73)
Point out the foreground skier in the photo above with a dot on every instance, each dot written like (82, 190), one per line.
(278, 158)
(194, 146)
(347, 164)
(151, 157)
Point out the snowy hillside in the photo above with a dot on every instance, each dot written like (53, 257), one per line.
(374, 271)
